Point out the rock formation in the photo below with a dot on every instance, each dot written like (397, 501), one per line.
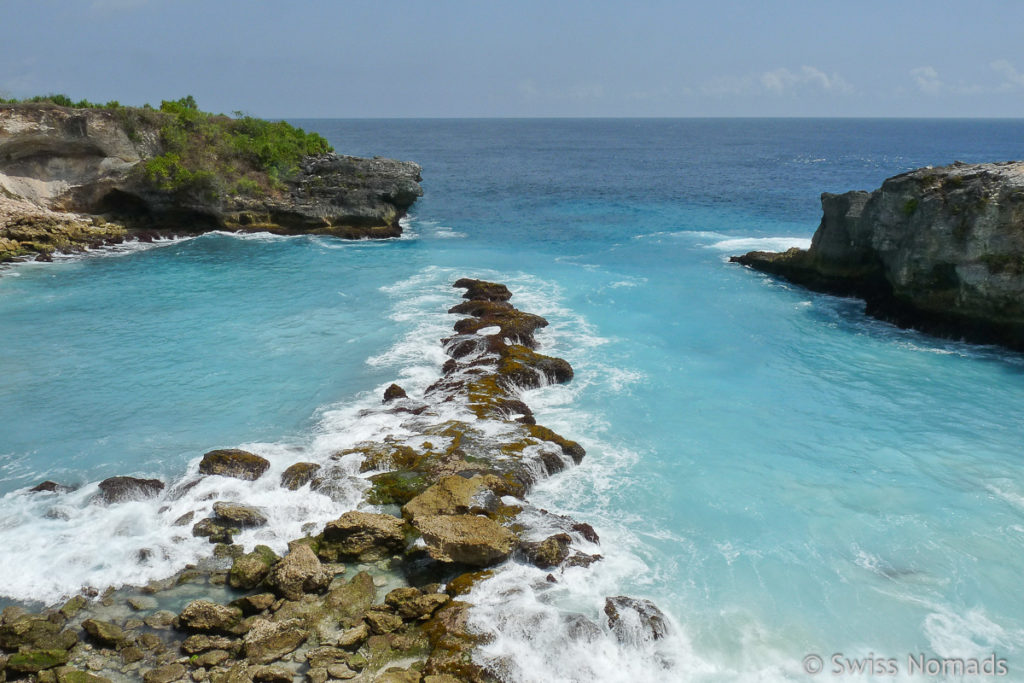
(937, 249)
(67, 182)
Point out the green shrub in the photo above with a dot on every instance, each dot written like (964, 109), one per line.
(910, 206)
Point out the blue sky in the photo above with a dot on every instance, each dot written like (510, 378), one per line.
(339, 58)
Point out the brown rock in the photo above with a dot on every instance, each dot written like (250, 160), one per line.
(635, 620)
(206, 616)
(453, 495)
(365, 536)
(268, 641)
(233, 462)
(298, 475)
(119, 489)
(394, 392)
(467, 539)
(165, 674)
(299, 572)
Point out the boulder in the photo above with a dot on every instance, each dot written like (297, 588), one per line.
(550, 552)
(481, 290)
(236, 514)
(34, 661)
(268, 641)
(165, 674)
(65, 674)
(412, 603)
(298, 475)
(394, 392)
(466, 539)
(206, 616)
(297, 573)
(249, 570)
(634, 620)
(34, 632)
(234, 462)
(214, 530)
(201, 642)
(453, 495)
(382, 622)
(49, 487)
(119, 489)
(349, 601)
(365, 536)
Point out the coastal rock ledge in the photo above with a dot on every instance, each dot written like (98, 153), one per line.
(71, 179)
(937, 249)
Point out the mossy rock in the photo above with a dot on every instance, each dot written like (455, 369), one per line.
(234, 462)
(249, 570)
(396, 488)
(34, 661)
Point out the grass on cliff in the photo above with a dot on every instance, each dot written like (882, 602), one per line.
(208, 156)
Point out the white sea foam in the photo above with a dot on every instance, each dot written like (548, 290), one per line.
(739, 245)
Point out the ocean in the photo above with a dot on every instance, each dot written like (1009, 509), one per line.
(781, 475)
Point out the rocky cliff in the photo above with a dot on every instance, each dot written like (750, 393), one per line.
(938, 249)
(69, 178)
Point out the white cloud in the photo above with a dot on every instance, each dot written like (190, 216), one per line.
(779, 81)
(1011, 77)
(927, 80)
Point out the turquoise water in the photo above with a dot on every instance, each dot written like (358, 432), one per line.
(780, 474)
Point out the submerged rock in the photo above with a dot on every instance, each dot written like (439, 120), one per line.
(234, 462)
(268, 641)
(119, 489)
(209, 617)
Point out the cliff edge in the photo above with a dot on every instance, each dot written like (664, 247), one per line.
(937, 249)
(80, 177)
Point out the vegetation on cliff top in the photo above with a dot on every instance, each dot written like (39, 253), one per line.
(206, 155)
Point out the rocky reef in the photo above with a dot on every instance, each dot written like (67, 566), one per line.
(937, 249)
(72, 179)
(381, 592)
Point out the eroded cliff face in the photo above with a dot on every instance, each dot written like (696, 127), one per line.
(940, 249)
(69, 180)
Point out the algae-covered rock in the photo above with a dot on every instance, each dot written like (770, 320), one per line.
(254, 604)
(202, 642)
(30, 631)
(634, 620)
(237, 514)
(105, 633)
(215, 530)
(65, 674)
(34, 661)
(467, 539)
(234, 462)
(396, 488)
(382, 622)
(73, 606)
(268, 641)
(349, 601)
(481, 290)
(120, 489)
(298, 572)
(298, 475)
(249, 570)
(365, 536)
(206, 616)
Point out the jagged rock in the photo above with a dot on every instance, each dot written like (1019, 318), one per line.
(586, 531)
(298, 475)
(481, 290)
(254, 604)
(382, 622)
(394, 392)
(234, 462)
(119, 489)
(364, 536)
(336, 483)
(165, 674)
(268, 641)
(451, 496)
(212, 658)
(298, 572)
(206, 616)
(73, 606)
(633, 620)
(201, 642)
(939, 249)
(239, 515)
(273, 674)
(467, 539)
(249, 570)
(550, 552)
(215, 531)
(582, 560)
(105, 633)
(412, 603)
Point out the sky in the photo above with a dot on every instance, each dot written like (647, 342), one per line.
(524, 58)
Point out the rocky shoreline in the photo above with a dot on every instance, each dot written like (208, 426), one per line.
(68, 183)
(378, 594)
(937, 249)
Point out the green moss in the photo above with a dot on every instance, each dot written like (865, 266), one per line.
(910, 206)
(33, 661)
(396, 488)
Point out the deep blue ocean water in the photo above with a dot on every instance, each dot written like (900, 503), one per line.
(782, 475)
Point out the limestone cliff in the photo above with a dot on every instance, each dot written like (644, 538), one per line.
(69, 178)
(938, 249)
